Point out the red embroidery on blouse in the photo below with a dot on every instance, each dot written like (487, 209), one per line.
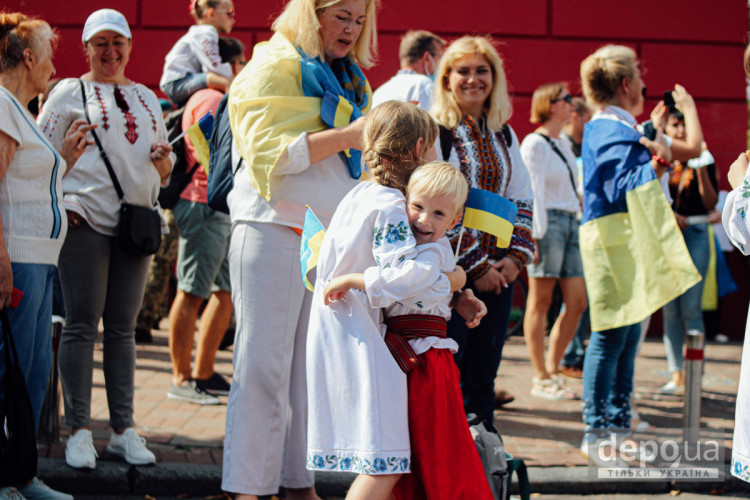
(143, 102)
(105, 116)
(131, 134)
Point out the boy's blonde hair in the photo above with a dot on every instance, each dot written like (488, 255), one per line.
(446, 110)
(439, 178)
(603, 71)
(541, 101)
(390, 136)
(300, 25)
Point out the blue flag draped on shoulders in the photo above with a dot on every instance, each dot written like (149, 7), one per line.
(634, 256)
(309, 250)
(489, 212)
(281, 94)
(345, 95)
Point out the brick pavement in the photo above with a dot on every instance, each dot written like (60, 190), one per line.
(543, 433)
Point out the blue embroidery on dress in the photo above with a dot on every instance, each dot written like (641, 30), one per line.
(391, 234)
(358, 464)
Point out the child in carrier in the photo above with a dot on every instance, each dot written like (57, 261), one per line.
(194, 62)
(445, 462)
(357, 392)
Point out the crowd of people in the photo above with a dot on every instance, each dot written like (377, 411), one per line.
(374, 371)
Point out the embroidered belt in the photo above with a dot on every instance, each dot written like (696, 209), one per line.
(400, 329)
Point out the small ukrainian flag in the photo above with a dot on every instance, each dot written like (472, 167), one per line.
(491, 213)
(309, 249)
(199, 134)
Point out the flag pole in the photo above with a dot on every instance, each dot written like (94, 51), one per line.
(460, 237)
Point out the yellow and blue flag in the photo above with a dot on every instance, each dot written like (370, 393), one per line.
(634, 256)
(200, 134)
(491, 213)
(309, 249)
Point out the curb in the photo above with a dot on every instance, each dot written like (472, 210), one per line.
(196, 480)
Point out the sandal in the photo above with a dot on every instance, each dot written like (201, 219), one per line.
(550, 389)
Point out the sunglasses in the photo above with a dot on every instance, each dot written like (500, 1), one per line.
(567, 98)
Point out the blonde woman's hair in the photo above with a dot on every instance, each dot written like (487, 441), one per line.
(299, 23)
(541, 101)
(603, 71)
(446, 110)
(439, 178)
(19, 32)
(390, 136)
(199, 8)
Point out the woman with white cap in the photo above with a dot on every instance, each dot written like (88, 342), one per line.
(101, 279)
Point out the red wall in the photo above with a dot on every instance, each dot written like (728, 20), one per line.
(696, 43)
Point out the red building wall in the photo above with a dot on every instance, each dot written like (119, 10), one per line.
(696, 43)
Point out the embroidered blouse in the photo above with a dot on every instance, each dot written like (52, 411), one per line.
(489, 163)
(129, 121)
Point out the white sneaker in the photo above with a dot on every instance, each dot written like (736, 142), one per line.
(672, 389)
(37, 490)
(131, 447)
(602, 453)
(79, 450)
(10, 493)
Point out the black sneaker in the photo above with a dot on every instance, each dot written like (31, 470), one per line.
(215, 385)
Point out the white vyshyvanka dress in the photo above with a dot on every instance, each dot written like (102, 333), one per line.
(357, 410)
(736, 221)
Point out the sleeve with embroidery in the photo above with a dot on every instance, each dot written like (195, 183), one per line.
(205, 46)
(735, 216)
(58, 111)
(418, 284)
(519, 191)
(535, 154)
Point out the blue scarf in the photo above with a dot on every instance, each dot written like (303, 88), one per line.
(345, 94)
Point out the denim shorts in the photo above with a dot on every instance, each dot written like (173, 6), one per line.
(179, 91)
(559, 253)
(202, 264)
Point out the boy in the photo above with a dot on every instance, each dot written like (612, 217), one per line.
(445, 462)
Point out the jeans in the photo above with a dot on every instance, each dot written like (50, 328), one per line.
(100, 281)
(608, 378)
(480, 351)
(685, 312)
(179, 91)
(31, 325)
(576, 349)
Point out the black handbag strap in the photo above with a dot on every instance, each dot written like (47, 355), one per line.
(565, 161)
(102, 153)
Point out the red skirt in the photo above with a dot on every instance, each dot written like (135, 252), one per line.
(445, 463)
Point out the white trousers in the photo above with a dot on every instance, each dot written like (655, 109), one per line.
(266, 433)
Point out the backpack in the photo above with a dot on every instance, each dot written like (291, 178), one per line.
(499, 465)
(220, 170)
(446, 139)
(181, 173)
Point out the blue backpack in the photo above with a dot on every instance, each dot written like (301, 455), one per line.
(220, 170)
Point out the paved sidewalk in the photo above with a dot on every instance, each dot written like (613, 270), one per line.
(186, 438)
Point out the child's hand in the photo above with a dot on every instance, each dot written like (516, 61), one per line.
(457, 278)
(336, 289)
(469, 307)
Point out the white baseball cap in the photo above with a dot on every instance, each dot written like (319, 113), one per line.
(102, 20)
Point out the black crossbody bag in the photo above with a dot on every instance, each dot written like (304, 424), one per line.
(139, 228)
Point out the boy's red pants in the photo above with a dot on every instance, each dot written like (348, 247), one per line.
(445, 463)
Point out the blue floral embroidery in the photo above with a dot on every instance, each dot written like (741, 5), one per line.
(419, 304)
(390, 233)
(358, 464)
(739, 470)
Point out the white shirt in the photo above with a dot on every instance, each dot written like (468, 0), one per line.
(406, 86)
(196, 52)
(33, 219)
(126, 137)
(550, 179)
